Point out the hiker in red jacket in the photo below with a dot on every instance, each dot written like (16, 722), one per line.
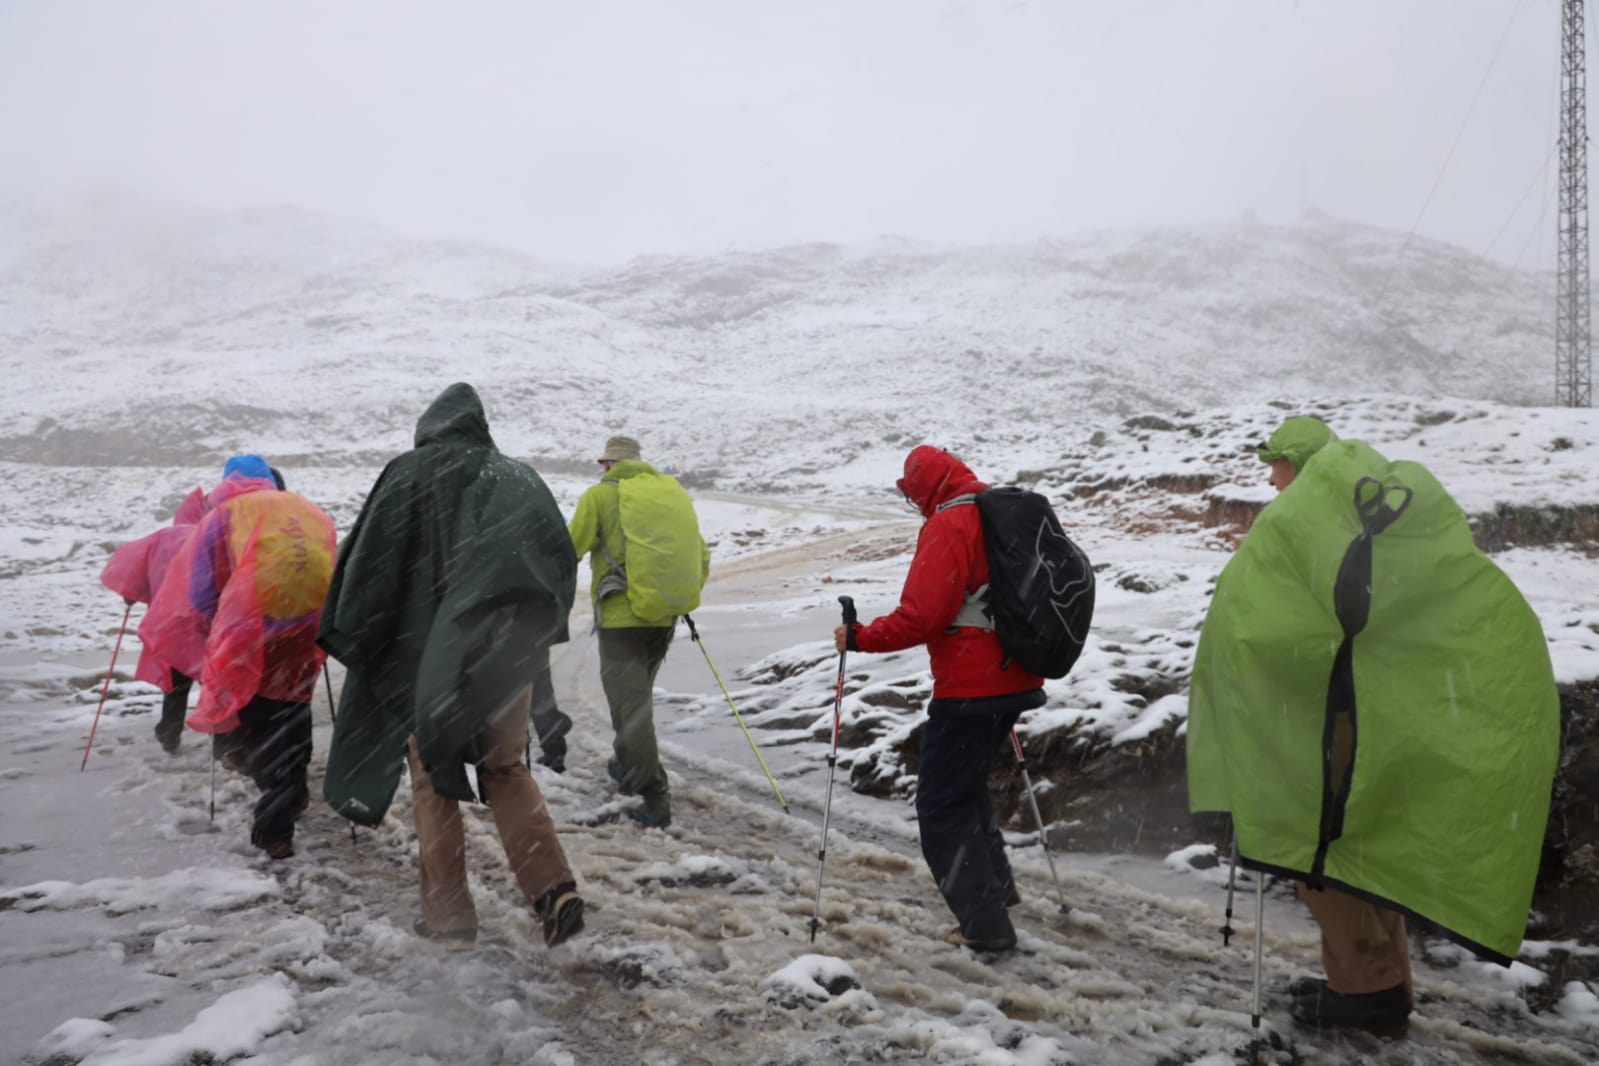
(977, 697)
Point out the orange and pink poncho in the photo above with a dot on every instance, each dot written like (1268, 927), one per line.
(239, 606)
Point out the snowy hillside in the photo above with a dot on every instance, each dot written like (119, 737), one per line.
(296, 332)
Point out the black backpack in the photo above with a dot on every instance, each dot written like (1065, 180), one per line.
(1040, 585)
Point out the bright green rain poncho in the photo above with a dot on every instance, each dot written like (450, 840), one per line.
(1372, 698)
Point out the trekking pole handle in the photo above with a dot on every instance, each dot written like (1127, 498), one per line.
(848, 604)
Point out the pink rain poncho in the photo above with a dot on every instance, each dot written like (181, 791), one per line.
(242, 600)
(135, 570)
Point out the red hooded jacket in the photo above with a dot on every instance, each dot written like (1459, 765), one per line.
(951, 561)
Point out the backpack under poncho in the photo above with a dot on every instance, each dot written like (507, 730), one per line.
(1373, 703)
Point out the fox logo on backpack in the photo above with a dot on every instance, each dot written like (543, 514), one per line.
(1039, 599)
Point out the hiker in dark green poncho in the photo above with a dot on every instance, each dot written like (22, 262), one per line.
(1373, 704)
(457, 574)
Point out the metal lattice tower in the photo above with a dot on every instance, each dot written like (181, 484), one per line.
(1573, 338)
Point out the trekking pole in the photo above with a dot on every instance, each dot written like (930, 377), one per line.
(213, 788)
(333, 716)
(1254, 1006)
(1043, 837)
(106, 687)
(832, 763)
(695, 634)
(1227, 929)
(327, 679)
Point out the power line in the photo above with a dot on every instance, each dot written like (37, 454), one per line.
(1471, 110)
(1543, 168)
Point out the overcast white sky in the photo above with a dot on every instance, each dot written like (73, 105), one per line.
(596, 130)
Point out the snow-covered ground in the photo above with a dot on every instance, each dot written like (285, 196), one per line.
(135, 929)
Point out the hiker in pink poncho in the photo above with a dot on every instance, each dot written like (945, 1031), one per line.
(239, 609)
(134, 572)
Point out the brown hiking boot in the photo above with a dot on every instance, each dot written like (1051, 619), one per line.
(277, 849)
(454, 939)
(961, 940)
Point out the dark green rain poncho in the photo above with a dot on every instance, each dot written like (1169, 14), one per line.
(457, 568)
(1372, 698)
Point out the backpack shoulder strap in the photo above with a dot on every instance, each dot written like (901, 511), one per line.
(974, 612)
(615, 579)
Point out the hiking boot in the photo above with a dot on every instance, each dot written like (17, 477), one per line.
(560, 912)
(277, 849)
(1306, 986)
(651, 818)
(997, 944)
(454, 939)
(171, 740)
(1375, 1011)
(613, 766)
(553, 755)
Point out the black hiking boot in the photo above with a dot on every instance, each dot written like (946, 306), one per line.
(560, 911)
(1377, 1012)
(171, 739)
(1306, 986)
(552, 754)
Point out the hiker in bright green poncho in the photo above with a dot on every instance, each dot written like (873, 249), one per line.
(1373, 704)
(457, 573)
(640, 532)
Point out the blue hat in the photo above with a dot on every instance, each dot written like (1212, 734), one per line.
(247, 465)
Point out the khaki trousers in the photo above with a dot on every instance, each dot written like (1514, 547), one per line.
(527, 832)
(1363, 946)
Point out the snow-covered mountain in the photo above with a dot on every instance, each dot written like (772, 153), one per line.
(144, 332)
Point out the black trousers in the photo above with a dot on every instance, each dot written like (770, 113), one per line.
(174, 708)
(550, 723)
(961, 839)
(276, 737)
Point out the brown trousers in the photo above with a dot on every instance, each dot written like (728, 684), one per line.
(527, 832)
(1363, 946)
